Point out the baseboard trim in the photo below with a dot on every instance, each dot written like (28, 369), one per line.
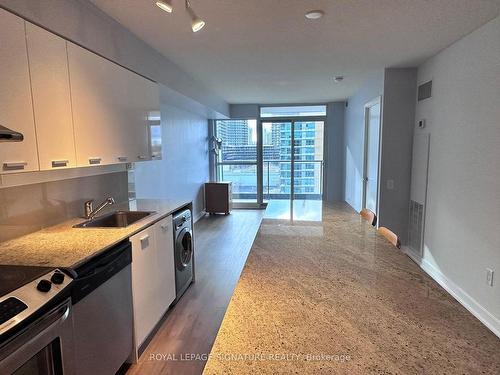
(199, 216)
(484, 316)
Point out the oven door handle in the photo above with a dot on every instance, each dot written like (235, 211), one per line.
(54, 317)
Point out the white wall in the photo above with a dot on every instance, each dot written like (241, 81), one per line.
(354, 131)
(184, 167)
(462, 234)
(83, 23)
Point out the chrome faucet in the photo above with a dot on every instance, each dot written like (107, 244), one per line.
(90, 212)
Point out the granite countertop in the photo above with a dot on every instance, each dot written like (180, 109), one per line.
(64, 246)
(334, 297)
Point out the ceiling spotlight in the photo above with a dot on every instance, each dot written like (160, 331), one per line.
(315, 14)
(338, 79)
(196, 22)
(165, 5)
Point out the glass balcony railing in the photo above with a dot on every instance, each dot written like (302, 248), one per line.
(243, 175)
(277, 179)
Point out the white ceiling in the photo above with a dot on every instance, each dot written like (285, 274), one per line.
(266, 51)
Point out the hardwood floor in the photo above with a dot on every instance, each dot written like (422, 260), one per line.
(186, 336)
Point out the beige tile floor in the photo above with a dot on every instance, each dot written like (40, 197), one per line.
(334, 297)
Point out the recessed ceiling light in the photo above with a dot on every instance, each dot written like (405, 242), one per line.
(165, 5)
(338, 79)
(315, 14)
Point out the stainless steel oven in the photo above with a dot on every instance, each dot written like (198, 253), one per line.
(45, 346)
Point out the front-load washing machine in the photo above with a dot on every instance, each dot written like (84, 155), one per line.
(183, 251)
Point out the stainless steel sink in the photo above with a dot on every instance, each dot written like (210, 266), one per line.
(117, 219)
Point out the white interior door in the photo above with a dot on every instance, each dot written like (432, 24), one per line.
(372, 145)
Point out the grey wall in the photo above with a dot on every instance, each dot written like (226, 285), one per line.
(462, 233)
(83, 23)
(29, 208)
(354, 132)
(398, 116)
(184, 167)
(244, 111)
(334, 152)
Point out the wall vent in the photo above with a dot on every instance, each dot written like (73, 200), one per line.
(425, 90)
(416, 226)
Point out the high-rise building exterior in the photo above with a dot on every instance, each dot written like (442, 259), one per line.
(240, 144)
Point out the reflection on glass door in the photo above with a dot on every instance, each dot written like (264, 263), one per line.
(237, 158)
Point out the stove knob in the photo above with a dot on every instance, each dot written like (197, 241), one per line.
(44, 285)
(57, 277)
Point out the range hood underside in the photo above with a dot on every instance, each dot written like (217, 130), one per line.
(7, 135)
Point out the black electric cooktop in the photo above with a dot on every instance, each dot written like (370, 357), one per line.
(14, 277)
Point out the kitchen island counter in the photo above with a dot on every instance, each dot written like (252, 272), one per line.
(334, 297)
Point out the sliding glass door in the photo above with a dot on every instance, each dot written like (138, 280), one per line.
(278, 160)
(292, 167)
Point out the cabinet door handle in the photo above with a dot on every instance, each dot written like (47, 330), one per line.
(141, 157)
(144, 239)
(94, 161)
(122, 158)
(59, 163)
(14, 166)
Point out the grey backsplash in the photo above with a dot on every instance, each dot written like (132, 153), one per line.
(29, 208)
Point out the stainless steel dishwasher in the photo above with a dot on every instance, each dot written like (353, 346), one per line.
(102, 313)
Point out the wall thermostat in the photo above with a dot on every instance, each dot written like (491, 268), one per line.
(421, 123)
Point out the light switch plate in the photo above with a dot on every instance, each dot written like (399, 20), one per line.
(390, 184)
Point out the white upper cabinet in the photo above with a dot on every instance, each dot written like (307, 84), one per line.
(143, 99)
(99, 114)
(16, 110)
(110, 109)
(48, 65)
(73, 107)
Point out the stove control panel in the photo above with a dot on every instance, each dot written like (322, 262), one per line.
(21, 303)
(10, 308)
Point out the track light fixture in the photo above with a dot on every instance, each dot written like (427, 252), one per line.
(196, 22)
(165, 5)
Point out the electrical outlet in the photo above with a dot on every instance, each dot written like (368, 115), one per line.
(390, 184)
(489, 276)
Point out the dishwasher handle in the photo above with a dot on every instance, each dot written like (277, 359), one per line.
(96, 272)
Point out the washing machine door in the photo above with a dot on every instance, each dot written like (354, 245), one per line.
(183, 249)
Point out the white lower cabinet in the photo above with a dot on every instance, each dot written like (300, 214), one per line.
(153, 278)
